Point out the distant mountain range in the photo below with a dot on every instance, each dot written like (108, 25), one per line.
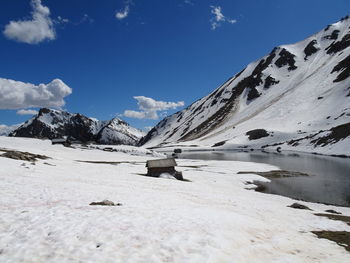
(296, 98)
(51, 124)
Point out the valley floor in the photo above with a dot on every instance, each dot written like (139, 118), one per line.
(45, 214)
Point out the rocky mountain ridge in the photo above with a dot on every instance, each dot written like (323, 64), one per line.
(51, 124)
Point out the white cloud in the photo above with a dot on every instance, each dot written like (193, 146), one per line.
(5, 130)
(147, 104)
(27, 112)
(61, 20)
(120, 15)
(219, 18)
(19, 95)
(150, 115)
(39, 28)
(188, 2)
(149, 108)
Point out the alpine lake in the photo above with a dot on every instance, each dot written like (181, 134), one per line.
(327, 180)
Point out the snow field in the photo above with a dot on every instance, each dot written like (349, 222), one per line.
(45, 214)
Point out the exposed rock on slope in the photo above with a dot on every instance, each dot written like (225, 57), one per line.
(298, 91)
(52, 124)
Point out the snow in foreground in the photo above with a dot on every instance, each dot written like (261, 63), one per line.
(45, 214)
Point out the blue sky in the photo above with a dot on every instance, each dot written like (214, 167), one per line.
(166, 53)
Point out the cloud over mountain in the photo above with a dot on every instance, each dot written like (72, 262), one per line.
(20, 95)
(27, 112)
(149, 108)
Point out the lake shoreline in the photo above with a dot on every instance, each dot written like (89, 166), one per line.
(185, 148)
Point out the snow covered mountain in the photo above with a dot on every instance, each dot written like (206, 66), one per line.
(297, 98)
(51, 124)
(117, 131)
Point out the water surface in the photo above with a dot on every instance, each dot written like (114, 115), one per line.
(329, 180)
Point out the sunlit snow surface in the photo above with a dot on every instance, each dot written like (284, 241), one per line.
(45, 214)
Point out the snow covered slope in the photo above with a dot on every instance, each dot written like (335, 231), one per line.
(117, 131)
(51, 124)
(297, 97)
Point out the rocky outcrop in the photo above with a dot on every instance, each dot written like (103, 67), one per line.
(344, 68)
(257, 134)
(310, 49)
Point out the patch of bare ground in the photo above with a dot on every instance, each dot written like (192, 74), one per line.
(342, 238)
(345, 219)
(276, 174)
(23, 156)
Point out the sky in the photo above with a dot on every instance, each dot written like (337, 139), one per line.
(139, 60)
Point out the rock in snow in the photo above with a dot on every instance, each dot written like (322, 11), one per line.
(298, 92)
(106, 203)
(53, 124)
